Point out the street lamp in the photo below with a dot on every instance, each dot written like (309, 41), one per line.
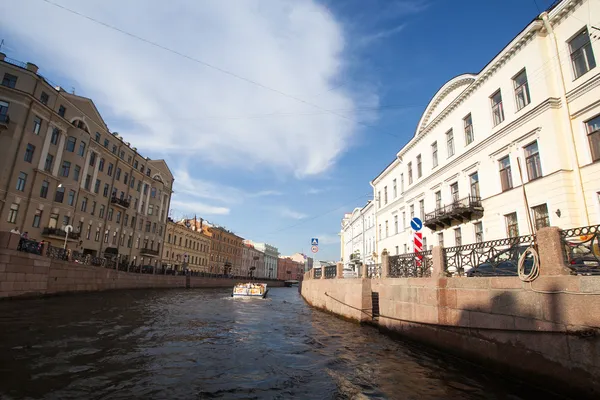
(68, 230)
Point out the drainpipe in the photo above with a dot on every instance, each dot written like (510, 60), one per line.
(567, 117)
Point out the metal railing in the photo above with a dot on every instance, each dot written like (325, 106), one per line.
(15, 62)
(330, 271)
(373, 271)
(121, 202)
(60, 233)
(317, 272)
(410, 265)
(30, 246)
(469, 203)
(492, 258)
(582, 249)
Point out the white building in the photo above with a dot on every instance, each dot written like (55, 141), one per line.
(271, 257)
(538, 103)
(358, 233)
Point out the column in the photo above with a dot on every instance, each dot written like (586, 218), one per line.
(96, 168)
(162, 198)
(58, 158)
(166, 215)
(45, 148)
(148, 199)
(139, 210)
(85, 169)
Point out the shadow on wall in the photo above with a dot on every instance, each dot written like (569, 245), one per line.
(525, 331)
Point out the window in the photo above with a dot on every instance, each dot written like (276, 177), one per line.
(153, 192)
(478, 232)
(135, 164)
(101, 164)
(125, 220)
(88, 182)
(132, 182)
(110, 169)
(44, 98)
(521, 90)
(76, 173)
(454, 191)
(403, 219)
(114, 149)
(37, 124)
(21, 181)
(71, 198)
(422, 209)
(440, 237)
(106, 188)
(450, 143)
(37, 218)
(81, 151)
(540, 216)
(401, 183)
(497, 109)
(593, 133)
(44, 189)
(29, 150)
(9, 80)
(512, 225)
(106, 142)
(101, 213)
(380, 230)
(385, 199)
(70, 145)
(126, 178)
(48, 163)
(582, 56)
(97, 137)
(424, 243)
(93, 207)
(410, 179)
(62, 110)
(505, 174)
(55, 136)
(122, 155)
(84, 203)
(4, 111)
(118, 174)
(12, 213)
(438, 200)
(405, 249)
(474, 184)
(129, 159)
(457, 237)
(59, 195)
(110, 214)
(150, 209)
(148, 226)
(395, 188)
(419, 167)
(386, 229)
(469, 133)
(532, 160)
(395, 223)
(97, 186)
(66, 168)
(434, 154)
(397, 250)
(378, 199)
(412, 211)
(118, 217)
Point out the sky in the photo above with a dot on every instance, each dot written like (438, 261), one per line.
(274, 115)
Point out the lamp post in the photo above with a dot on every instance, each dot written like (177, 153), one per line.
(68, 230)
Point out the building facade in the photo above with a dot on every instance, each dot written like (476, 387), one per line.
(225, 251)
(289, 269)
(186, 247)
(529, 121)
(271, 255)
(65, 175)
(253, 261)
(358, 232)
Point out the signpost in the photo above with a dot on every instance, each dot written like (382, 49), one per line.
(314, 242)
(416, 224)
(314, 249)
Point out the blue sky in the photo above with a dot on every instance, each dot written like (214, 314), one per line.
(273, 114)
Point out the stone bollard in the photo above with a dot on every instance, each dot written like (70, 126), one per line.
(322, 272)
(439, 270)
(365, 271)
(9, 240)
(385, 264)
(339, 270)
(551, 251)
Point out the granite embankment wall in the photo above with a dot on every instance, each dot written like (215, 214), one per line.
(29, 275)
(546, 331)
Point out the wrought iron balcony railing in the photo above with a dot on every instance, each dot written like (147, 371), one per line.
(461, 210)
(149, 252)
(582, 249)
(60, 233)
(120, 202)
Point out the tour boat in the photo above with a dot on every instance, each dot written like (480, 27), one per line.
(250, 290)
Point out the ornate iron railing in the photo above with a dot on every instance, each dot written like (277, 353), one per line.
(492, 258)
(582, 249)
(373, 271)
(318, 272)
(469, 207)
(330, 271)
(120, 202)
(410, 265)
(30, 246)
(60, 233)
(57, 253)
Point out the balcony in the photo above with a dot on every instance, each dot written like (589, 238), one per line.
(119, 202)
(149, 252)
(461, 211)
(60, 234)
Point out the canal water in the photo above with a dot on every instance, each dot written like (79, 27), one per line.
(203, 344)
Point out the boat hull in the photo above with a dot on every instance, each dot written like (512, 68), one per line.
(256, 290)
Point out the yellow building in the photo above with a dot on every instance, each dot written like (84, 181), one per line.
(186, 245)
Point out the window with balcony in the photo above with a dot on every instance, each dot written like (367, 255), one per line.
(512, 225)
(70, 145)
(593, 134)
(582, 55)
(44, 189)
(395, 188)
(532, 160)
(505, 174)
(410, 174)
(37, 124)
(474, 184)
(521, 90)
(66, 169)
(497, 109)
(454, 191)
(53, 221)
(13, 213)
(21, 181)
(457, 237)
(29, 150)
(9, 80)
(450, 143)
(469, 132)
(478, 232)
(59, 196)
(540, 216)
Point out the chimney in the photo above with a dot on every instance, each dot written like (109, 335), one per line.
(201, 220)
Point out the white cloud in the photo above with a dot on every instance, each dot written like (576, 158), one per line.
(193, 207)
(170, 105)
(368, 39)
(315, 191)
(289, 213)
(327, 239)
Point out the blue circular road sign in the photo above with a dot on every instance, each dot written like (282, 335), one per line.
(416, 224)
